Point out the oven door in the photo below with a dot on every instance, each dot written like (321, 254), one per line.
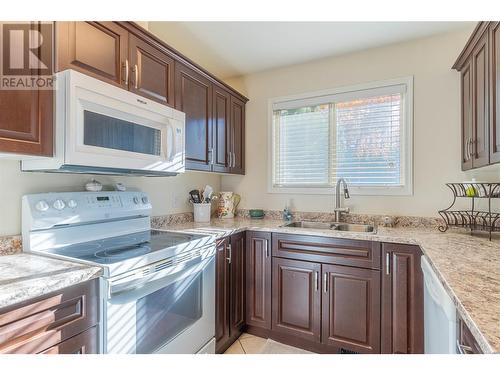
(109, 127)
(173, 312)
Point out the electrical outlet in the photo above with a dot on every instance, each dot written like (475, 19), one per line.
(176, 200)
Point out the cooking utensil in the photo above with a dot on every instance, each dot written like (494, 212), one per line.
(195, 196)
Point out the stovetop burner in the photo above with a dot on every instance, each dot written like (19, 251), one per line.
(117, 249)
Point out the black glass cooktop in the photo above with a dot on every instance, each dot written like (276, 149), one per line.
(116, 249)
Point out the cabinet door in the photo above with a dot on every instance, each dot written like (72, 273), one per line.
(237, 298)
(495, 93)
(237, 136)
(84, 343)
(402, 300)
(152, 72)
(480, 79)
(26, 118)
(99, 49)
(193, 96)
(351, 309)
(221, 129)
(258, 279)
(467, 127)
(221, 295)
(26, 122)
(297, 298)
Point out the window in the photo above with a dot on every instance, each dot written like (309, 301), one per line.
(361, 134)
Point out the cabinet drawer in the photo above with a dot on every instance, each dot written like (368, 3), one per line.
(40, 324)
(357, 253)
(83, 343)
(466, 341)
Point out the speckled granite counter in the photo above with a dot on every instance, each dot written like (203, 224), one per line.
(26, 276)
(468, 266)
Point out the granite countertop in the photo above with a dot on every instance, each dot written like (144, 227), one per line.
(26, 276)
(468, 266)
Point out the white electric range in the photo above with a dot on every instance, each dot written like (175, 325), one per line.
(158, 287)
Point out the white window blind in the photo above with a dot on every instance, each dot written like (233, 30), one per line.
(358, 135)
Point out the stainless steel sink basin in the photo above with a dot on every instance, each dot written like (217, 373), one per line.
(343, 227)
(309, 224)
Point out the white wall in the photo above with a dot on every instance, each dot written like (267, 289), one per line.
(436, 123)
(168, 194)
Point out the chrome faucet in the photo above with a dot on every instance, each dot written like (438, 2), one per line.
(338, 209)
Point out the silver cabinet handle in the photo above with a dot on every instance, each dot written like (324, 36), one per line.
(136, 71)
(467, 156)
(471, 146)
(267, 248)
(387, 263)
(211, 157)
(229, 163)
(230, 253)
(234, 160)
(126, 71)
(316, 281)
(325, 282)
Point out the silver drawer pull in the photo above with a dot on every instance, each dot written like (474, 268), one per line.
(325, 282)
(316, 280)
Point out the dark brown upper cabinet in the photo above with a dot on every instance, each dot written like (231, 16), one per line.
(495, 93)
(221, 130)
(26, 122)
(402, 300)
(99, 49)
(26, 118)
(479, 68)
(193, 95)
(152, 72)
(237, 136)
(127, 56)
(297, 299)
(351, 309)
(230, 290)
(258, 279)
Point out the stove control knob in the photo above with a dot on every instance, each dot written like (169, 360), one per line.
(59, 204)
(136, 200)
(72, 203)
(145, 200)
(42, 206)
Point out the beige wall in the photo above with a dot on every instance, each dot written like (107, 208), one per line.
(436, 123)
(168, 194)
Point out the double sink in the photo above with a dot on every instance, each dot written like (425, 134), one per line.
(341, 227)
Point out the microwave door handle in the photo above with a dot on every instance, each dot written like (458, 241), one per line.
(140, 287)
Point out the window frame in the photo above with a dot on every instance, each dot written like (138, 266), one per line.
(319, 97)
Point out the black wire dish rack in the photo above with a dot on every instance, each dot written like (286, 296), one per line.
(473, 219)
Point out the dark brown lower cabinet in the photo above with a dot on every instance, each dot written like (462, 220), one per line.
(221, 294)
(61, 322)
(229, 290)
(296, 298)
(351, 309)
(332, 295)
(83, 343)
(258, 279)
(402, 299)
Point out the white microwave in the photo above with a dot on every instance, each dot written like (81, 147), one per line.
(103, 129)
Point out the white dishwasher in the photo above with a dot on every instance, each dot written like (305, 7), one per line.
(440, 317)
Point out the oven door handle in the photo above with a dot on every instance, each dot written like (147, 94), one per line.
(123, 292)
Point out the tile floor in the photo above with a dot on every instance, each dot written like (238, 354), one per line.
(250, 344)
